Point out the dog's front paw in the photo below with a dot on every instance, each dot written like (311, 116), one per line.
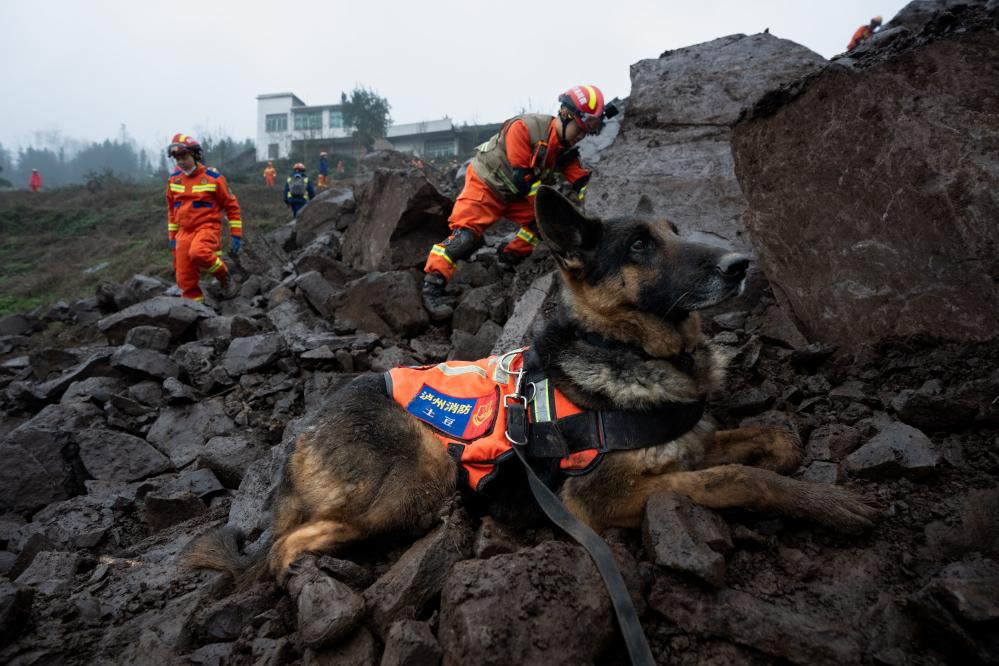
(838, 508)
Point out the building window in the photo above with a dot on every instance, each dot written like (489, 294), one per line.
(309, 120)
(336, 119)
(439, 148)
(273, 152)
(277, 122)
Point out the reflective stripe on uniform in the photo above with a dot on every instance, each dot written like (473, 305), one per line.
(441, 251)
(534, 188)
(218, 265)
(235, 224)
(207, 187)
(176, 187)
(527, 236)
(173, 227)
(582, 192)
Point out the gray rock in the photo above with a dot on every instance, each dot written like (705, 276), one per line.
(386, 304)
(392, 357)
(249, 512)
(419, 575)
(108, 455)
(731, 321)
(832, 442)
(144, 361)
(171, 313)
(15, 609)
(181, 432)
(39, 465)
(682, 535)
(550, 598)
(93, 389)
(328, 610)
(149, 337)
(78, 523)
(229, 457)
(226, 328)
(51, 572)
(323, 213)
(410, 643)
(479, 305)
(468, 347)
(175, 391)
(821, 472)
(526, 319)
(162, 510)
(253, 353)
(494, 538)
(96, 365)
(360, 649)
(401, 216)
(674, 145)
(320, 294)
(730, 615)
(897, 450)
(932, 408)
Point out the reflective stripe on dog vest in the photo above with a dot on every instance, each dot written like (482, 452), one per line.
(462, 402)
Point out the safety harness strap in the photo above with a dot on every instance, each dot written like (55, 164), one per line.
(624, 609)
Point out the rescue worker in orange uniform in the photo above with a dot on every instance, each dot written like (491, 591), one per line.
(864, 33)
(323, 169)
(35, 181)
(502, 180)
(270, 173)
(196, 198)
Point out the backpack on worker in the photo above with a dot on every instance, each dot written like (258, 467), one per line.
(298, 187)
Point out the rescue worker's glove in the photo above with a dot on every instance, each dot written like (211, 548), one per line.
(234, 244)
(567, 157)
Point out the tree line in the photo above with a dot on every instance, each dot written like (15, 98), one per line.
(71, 163)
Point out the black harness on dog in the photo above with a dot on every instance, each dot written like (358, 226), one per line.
(608, 430)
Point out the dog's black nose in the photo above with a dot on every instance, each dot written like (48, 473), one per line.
(733, 265)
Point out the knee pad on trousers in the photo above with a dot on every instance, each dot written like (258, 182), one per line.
(461, 244)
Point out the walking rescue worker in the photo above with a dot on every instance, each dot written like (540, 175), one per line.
(864, 33)
(196, 197)
(35, 181)
(503, 178)
(324, 170)
(270, 173)
(297, 189)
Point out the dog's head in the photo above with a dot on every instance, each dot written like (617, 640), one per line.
(634, 265)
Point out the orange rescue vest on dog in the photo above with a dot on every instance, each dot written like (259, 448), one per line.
(463, 404)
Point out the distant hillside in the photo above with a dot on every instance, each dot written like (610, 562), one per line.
(60, 244)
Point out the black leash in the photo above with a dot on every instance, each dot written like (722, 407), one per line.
(627, 616)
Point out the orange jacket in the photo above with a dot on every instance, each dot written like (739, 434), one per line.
(462, 402)
(862, 35)
(35, 182)
(270, 172)
(520, 152)
(200, 199)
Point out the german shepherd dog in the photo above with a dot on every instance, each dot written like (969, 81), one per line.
(631, 289)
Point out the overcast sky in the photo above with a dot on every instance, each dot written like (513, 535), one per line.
(84, 68)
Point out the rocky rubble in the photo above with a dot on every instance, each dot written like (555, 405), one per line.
(170, 418)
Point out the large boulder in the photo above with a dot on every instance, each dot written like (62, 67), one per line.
(401, 216)
(323, 213)
(874, 189)
(673, 146)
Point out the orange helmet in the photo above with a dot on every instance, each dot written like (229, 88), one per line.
(184, 143)
(298, 167)
(586, 103)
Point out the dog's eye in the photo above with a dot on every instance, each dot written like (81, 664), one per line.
(639, 245)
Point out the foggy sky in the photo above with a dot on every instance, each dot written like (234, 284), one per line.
(85, 68)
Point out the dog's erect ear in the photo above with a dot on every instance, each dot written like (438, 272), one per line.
(570, 235)
(644, 207)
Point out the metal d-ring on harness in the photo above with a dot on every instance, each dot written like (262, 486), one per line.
(517, 434)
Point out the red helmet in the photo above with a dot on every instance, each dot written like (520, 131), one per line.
(298, 167)
(587, 106)
(182, 143)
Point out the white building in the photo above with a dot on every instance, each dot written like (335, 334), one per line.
(283, 118)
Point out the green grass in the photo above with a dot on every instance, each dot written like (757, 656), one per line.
(48, 239)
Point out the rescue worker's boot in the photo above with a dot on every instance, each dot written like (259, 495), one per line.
(435, 299)
(229, 286)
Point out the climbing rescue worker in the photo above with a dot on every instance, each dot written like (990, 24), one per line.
(502, 180)
(270, 173)
(196, 198)
(297, 189)
(864, 33)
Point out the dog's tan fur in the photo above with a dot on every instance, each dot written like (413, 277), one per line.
(368, 466)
